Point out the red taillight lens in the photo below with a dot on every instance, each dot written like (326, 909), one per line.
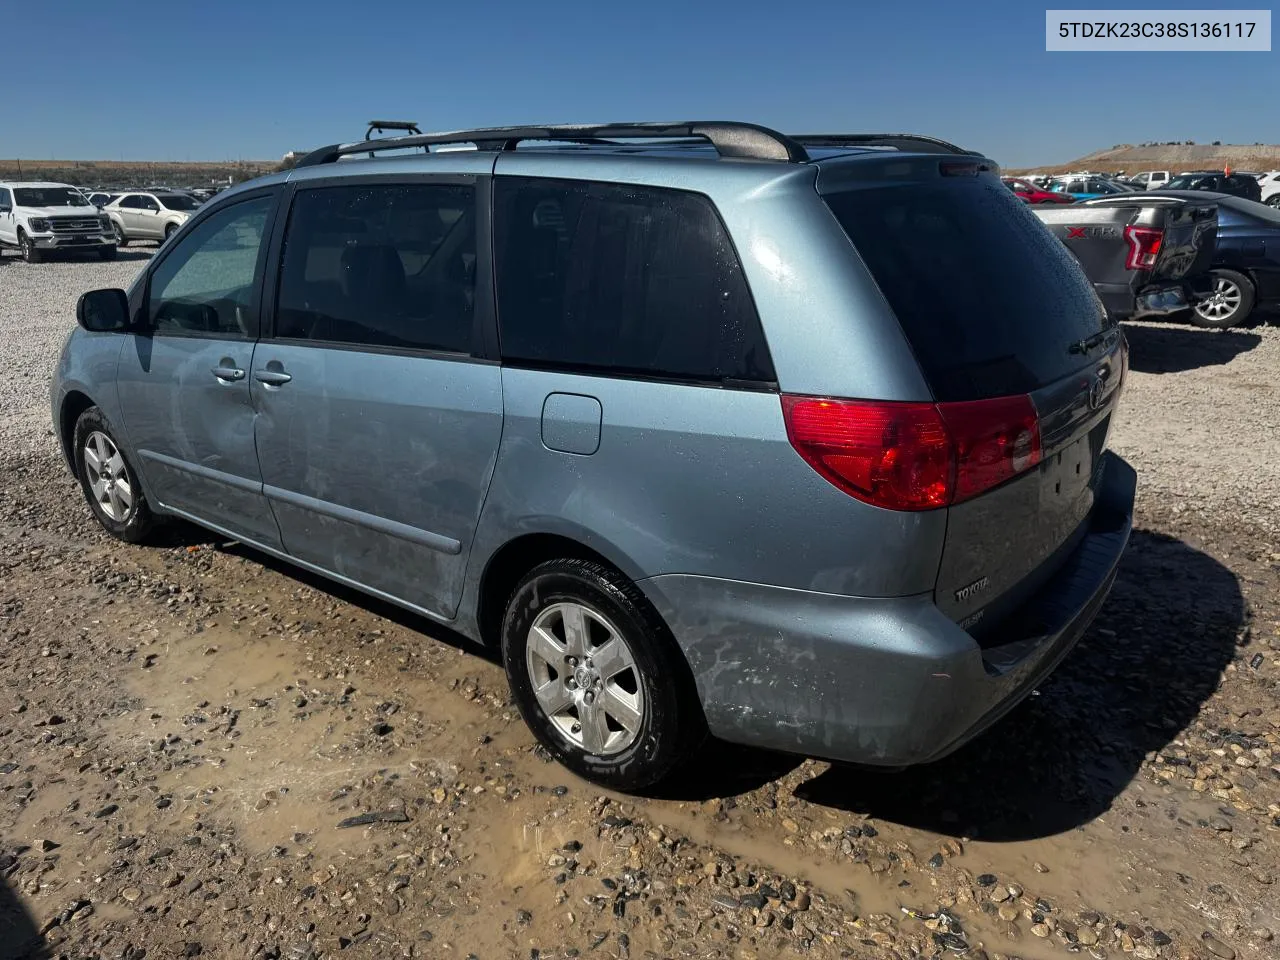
(914, 456)
(1144, 247)
(994, 440)
(893, 455)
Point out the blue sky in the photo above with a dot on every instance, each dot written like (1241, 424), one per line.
(210, 81)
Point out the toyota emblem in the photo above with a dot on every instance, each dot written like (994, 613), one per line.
(1095, 393)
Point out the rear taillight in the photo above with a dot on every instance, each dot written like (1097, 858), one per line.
(1144, 247)
(914, 456)
(994, 440)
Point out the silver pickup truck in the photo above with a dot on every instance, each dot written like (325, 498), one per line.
(1145, 258)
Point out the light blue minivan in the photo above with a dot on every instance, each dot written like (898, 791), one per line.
(796, 440)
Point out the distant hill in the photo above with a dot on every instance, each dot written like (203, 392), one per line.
(1175, 157)
(128, 173)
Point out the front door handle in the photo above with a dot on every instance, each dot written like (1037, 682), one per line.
(227, 372)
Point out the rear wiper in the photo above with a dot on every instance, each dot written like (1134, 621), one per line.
(1084, 346)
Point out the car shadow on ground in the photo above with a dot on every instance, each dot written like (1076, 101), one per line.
(20, 939)
(1168, 348)
(1138, 678)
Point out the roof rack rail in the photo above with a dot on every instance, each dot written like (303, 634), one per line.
(745, 141)
(899, 141)
(382, 126)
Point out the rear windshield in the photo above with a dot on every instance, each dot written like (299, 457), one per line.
(990, 301)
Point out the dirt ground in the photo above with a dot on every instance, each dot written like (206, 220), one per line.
(205, 753)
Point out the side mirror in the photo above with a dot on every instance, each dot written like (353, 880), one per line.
(103, 311)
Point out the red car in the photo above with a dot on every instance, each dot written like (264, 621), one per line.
(1028, 192)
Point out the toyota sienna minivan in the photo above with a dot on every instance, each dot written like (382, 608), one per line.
(799, 441)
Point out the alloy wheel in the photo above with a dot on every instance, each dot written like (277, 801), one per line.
(108, 477)
(585, 678)
(1224, 302)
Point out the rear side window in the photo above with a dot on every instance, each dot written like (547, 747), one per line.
(382, 265)
(629, 280)
(990, 301)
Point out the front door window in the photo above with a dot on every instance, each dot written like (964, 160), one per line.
(205, 285)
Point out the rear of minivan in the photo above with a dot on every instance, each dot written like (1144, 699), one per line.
(989, 470)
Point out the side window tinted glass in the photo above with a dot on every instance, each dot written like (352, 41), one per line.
(389, 265)
(625, 279)
(148, 203)
(206, 284)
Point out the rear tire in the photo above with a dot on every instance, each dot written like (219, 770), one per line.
(1231, 303)
(30, 253)
(604, 687)
(1273, 200)
(109, 482)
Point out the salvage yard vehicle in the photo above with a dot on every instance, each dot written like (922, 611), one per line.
(44, 218)
(1150, 179)
(1086, 188)
(1216, 181)
(1244, 272)
(1028, 192)
(693, 422)
(1269, 188)
(149, 216)
(1144, 257)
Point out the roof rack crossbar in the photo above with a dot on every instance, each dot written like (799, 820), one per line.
(381, 126)
(745, 141)
(911, 142)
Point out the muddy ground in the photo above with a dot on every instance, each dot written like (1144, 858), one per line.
(192, 736)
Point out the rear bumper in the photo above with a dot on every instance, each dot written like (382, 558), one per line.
(889, 682)
(1125, 303)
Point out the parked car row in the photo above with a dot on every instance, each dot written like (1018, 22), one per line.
(1263, 187)
(45, 218)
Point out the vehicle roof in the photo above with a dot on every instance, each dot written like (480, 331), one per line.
(692, 167)
(1193, 196)
(40, 184)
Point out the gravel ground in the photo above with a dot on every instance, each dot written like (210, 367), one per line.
(203, 753)
(37, 311)
(1200, 420)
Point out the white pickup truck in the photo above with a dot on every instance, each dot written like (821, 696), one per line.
(40, 218)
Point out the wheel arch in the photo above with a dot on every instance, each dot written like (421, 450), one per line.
(507, 564)
(74, 403)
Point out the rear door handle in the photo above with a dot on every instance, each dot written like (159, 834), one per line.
(227, 373)
(272, 378)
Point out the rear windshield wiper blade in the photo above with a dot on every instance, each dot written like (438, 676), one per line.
(1086, 345)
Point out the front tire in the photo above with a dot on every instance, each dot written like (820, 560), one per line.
(169, 231)
(1231, 303)
(107, 253)
(598, 677)
(109, 482)
(30, 252)
(1273, 200)
(121, 240)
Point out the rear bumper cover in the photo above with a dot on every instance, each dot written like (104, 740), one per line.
(888, 682)
(1124, 303)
